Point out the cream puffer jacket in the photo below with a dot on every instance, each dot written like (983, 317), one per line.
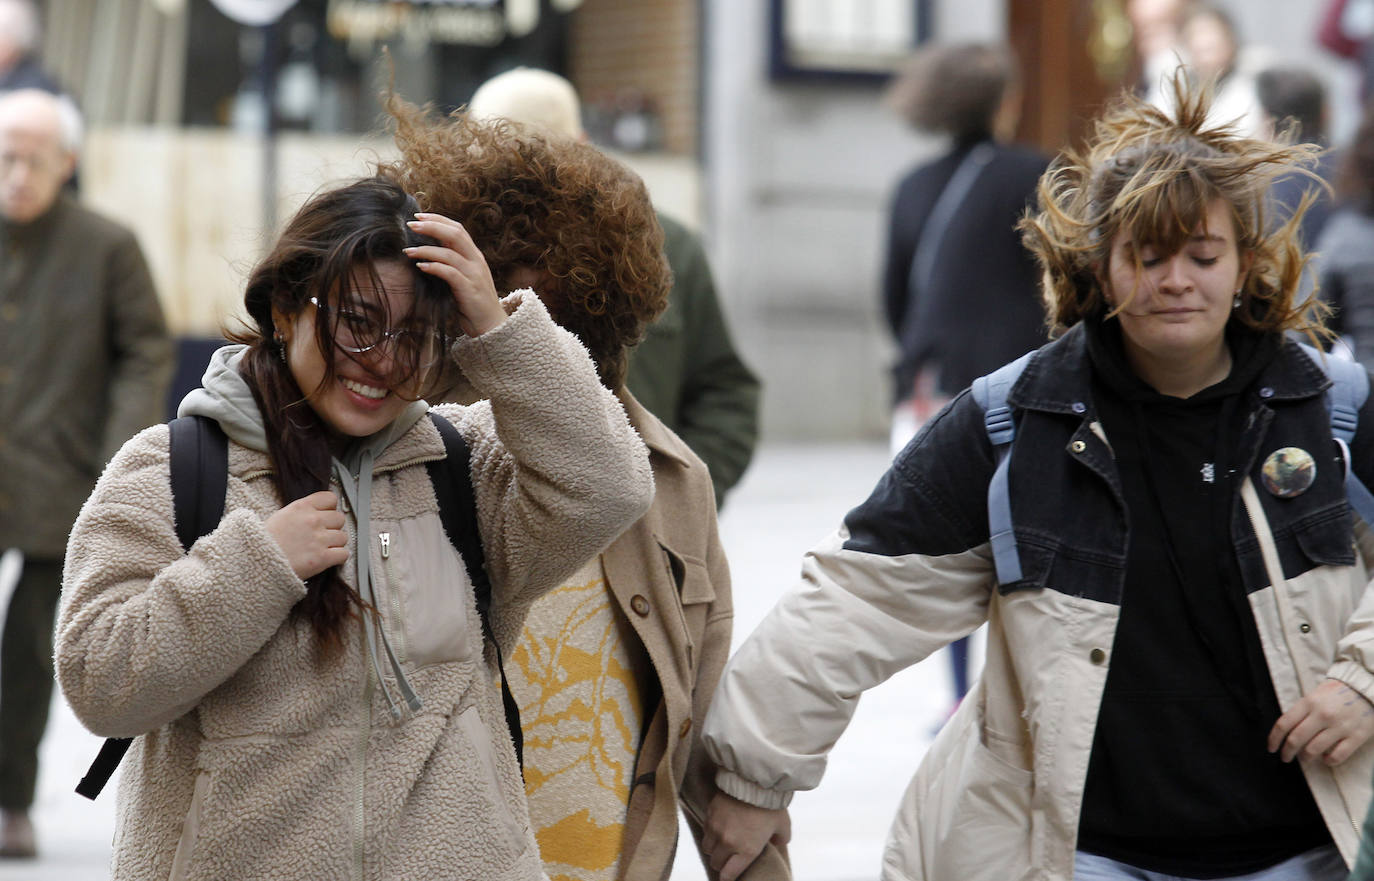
(256, 757)
(1000, 792)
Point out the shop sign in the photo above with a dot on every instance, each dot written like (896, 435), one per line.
(465, 22)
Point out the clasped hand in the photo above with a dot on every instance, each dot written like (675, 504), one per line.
(736, 833)
(310, 532)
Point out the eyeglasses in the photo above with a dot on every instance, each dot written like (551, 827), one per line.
(357, 333)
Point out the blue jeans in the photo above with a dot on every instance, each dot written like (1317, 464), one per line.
(1321, 864)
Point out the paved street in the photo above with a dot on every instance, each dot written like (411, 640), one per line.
(790, 499)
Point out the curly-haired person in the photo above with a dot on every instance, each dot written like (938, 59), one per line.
(616, 668)
(1180, 653)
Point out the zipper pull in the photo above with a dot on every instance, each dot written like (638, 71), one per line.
(385, 538)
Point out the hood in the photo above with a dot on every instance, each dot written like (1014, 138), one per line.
(225, 397)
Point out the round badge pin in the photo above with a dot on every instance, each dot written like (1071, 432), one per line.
(1289, 472)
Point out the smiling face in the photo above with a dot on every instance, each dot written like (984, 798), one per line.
(1177, 305)
(361, 395)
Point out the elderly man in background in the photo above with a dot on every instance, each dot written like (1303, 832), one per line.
(686, 371)
(84, 363)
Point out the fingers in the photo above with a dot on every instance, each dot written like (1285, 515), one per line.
(1285, 725)
(311, 533)
(447, 232)
(1342, 751)
(324, 500)
(458, 262)
(709, 839)
(735, 866)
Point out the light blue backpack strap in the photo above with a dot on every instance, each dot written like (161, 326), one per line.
(1349, 389)
(990, 392)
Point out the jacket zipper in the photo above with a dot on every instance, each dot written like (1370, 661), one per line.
(397, 632)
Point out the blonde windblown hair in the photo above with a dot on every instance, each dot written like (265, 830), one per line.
(1154, 174)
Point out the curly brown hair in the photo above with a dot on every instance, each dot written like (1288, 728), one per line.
(1154, 175)
(580, 220)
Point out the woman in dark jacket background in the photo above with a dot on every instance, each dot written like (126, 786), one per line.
(959, 290)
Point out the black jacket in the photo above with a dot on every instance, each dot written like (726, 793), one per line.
(983, 308)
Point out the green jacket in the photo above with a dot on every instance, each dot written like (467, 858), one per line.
(687, 373)
(84, 364)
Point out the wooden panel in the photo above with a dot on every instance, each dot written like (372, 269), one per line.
(1065, 86)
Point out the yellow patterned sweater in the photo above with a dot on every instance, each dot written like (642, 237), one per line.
(573, 675)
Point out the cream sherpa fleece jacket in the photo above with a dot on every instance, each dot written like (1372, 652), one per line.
(258, 760)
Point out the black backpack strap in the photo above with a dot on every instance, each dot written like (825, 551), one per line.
(200, 475)
(452, 479)
(199, 454)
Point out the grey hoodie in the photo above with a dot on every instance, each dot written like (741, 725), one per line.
(226, 397)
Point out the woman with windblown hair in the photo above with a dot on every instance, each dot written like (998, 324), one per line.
(1178, 681)
(310, 688)
(616, 667)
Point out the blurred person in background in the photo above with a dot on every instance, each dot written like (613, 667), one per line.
(1345, 267)
(19, 65)
(686, 371)
(959, 291)
(1213, 54)
(1180, 660)
(1293, 105)
(1156, 27)
(616, 667)
(84, 364)
(1345, 30)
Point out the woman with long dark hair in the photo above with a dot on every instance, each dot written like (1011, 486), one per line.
(310, 688)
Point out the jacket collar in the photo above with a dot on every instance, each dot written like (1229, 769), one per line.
(1058, 379)
(656, 436)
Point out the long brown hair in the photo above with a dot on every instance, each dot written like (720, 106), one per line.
(335, 238)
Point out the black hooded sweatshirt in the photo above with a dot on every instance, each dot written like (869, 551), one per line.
(1180, 779)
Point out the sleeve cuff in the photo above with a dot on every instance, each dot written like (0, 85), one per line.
(484, 357)
(736, 786)
(1355, 676)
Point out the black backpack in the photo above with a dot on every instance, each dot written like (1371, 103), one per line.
(200, 475)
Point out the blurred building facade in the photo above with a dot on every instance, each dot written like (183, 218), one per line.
(760, 123)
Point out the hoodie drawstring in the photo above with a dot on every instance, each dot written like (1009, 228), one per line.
(359, 492)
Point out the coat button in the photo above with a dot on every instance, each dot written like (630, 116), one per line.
(686, 727)
(1305, 627)
(1078, 446)
(1266, 392)
(1079, 407)
(640, 605)
(1097, 656)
